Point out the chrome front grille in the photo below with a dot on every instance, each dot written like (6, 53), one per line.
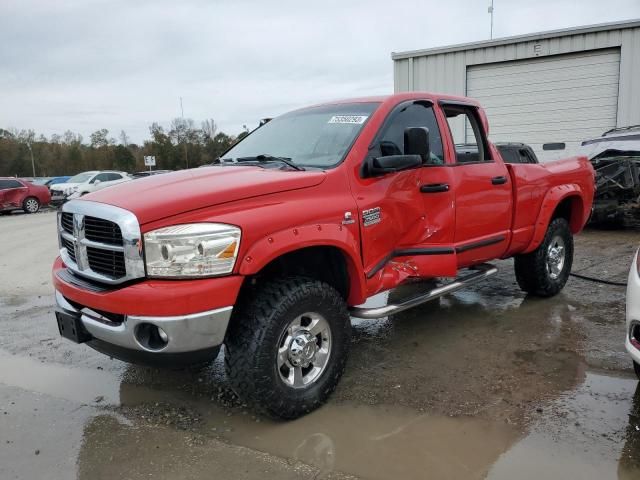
(100, 230)
(106, 262)
(100, 242)
(70, 248)
(66, 222)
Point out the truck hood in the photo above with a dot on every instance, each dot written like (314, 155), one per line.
(160, 196)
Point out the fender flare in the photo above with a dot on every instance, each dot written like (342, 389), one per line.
(268, 248)
(552, 199)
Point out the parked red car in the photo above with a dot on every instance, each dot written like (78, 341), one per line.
(18, 194)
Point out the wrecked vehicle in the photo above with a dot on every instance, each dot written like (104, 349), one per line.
(616, 159)
(271, 250)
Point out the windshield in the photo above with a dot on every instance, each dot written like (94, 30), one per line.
(312, 137)
(80, 178)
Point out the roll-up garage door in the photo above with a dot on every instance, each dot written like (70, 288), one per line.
(561, 98)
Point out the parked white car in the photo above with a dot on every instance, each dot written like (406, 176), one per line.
(86, 182)
(632, 341)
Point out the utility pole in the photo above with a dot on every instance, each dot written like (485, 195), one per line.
(490, 11)
(186, 158)
(33, 163)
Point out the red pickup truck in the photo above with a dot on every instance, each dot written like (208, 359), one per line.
(273, 248)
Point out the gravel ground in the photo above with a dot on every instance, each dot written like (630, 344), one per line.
(485, 383)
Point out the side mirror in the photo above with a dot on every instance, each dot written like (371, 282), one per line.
(416, 142)
(97, 182)
(393, 163)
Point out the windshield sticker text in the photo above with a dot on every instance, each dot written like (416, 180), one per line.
(353, 119)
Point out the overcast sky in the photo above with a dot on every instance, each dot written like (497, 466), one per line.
(121, 65)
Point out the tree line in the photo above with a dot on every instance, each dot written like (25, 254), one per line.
(182, 145)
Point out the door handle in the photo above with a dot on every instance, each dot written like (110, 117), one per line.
(501, 180)
(435, 188)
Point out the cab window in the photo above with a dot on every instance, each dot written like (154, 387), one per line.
(468, 137)
(416, 114)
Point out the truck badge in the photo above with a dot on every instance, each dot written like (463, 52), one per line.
(348, 218)
(371, 216)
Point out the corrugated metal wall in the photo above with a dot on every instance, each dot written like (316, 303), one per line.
(560, 98)
(446, 72)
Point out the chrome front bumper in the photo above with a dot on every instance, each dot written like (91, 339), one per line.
(186, 333)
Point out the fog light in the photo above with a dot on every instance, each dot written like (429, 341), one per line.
(163, 336)
(151, 337)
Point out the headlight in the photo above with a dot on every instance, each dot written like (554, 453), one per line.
(191, 250)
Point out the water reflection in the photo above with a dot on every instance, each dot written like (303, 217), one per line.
(450, 389)
(443, 390)
(629, 464)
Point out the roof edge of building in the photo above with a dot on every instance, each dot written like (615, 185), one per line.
(563, 32)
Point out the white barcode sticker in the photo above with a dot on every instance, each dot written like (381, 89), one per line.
(353, 119)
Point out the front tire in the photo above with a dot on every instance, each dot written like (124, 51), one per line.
(545, 271)
(31, 205)
(636, 367)
(287, 346)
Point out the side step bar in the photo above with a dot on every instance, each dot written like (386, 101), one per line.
(478, 273)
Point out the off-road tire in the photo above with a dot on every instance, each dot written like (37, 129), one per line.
(531, 268)
(636, 367)
(29, 206)
(253, 337)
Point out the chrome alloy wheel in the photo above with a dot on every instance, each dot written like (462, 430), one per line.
(31, 205)
(555, 257)
(304, 350)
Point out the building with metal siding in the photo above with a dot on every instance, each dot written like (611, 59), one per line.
(557, 86)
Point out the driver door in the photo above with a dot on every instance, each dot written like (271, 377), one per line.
(407, 217)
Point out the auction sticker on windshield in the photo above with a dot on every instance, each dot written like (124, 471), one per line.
(354, 119)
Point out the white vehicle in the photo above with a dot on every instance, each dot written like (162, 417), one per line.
(632, 342)
(86, 182)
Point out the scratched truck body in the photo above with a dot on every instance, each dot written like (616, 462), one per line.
(271, 250)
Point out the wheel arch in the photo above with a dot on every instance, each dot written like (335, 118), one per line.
(331, 257)
(563, 201)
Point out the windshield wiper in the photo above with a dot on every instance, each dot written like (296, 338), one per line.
(270, 158)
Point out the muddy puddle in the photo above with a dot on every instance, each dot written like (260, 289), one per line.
(485, 383)
(592, 431)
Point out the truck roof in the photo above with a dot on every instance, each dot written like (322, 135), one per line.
(396, 97)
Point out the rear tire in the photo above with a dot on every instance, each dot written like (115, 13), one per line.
(30, 205)
(545, 271)
(636, 367)
(287, 346)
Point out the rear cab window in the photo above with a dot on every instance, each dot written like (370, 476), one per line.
(469, 139)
